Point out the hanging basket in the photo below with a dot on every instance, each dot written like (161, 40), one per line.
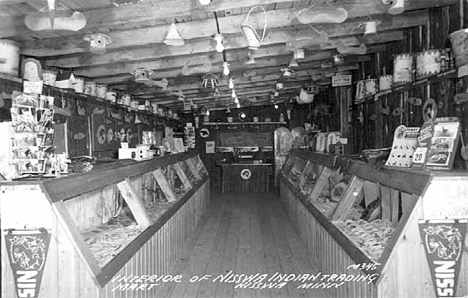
(98, 42)
(209, 80)
(254, 40)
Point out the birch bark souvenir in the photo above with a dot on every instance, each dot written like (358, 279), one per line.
(79, 86)
(403, 68)
(428, 63)
(404, 145)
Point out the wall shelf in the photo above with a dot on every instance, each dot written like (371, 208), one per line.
(243, 123)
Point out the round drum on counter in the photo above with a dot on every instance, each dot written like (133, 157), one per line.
(90, 88)
(403, 68)
(428, 63)
(111, 96)
(79, 86)
(101, 90)
(9, 57)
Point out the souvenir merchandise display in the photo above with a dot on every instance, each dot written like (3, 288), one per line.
(33, 127)
(189, 133)
(443, 144)
(404, 144)
(424, 143)
(370, 237)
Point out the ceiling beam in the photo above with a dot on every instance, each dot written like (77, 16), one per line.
(197, 29)
(149, 11)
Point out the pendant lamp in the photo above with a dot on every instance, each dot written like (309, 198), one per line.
(173, 37)
(254, 40)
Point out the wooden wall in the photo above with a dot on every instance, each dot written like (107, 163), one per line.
(378, 132)
(81, 107)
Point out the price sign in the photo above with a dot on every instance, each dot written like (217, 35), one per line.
(419, 155)
(341, 80)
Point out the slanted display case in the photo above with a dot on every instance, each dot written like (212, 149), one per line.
(359, 220)
(122, 218)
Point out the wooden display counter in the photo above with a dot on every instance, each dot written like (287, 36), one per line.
(119, 220)
(246, 178)
(368, 222)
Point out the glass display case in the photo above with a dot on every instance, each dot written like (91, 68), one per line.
(103, 221)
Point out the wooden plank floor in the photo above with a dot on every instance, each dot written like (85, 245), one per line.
(246, 234)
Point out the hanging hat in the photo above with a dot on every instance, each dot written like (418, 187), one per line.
(98, 42)
(142, 74)
(173, 37)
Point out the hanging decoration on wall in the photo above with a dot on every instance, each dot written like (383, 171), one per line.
(245, 174)
(254, 40)
(443, 242)
(396, 6)
(27, 251)
(204, 133)
(51, 18)
(370, 27)
(322, 14)
(98, 42)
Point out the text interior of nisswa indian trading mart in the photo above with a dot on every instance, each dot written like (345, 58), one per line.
(209, 148)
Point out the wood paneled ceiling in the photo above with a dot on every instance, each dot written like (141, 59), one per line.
(138, 29)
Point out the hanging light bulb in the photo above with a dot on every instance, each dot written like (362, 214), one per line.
(231, 83)
(238, 105)
(226, 68)
(207, 112)
(276, 106)
(233, 93)
(219, 42)
(204, 2)
(236, 100)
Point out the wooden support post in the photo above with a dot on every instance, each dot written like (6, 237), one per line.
(371, 192)
(385, 203)
(162, 181)
(395, 194)
(322, 181)
(134, 202)
(182, 176)
(351, 195)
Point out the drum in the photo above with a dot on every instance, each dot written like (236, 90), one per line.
(459, 40)
(111, 96)
(79, 86)
(101, 90)
(49, 77)
(126, 99)
(9, 57)
(90, 88)
(428, 63)
(134, 104)
(370, 87)
(403, 68)
(385, 82)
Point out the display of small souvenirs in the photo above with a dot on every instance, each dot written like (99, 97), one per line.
(443, 145)
(404, 145)
(370, 237)
(33, 127)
